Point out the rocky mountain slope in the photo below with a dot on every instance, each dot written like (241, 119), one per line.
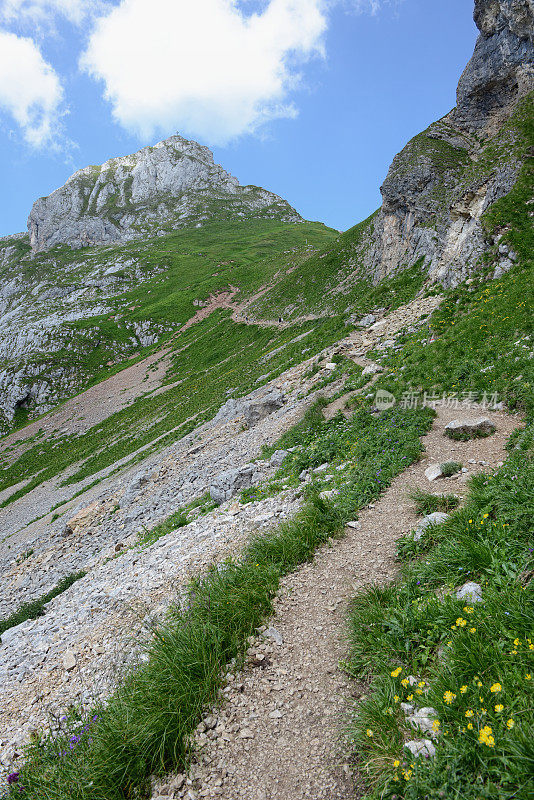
(431, 229)
(173, 184)
(213, 383)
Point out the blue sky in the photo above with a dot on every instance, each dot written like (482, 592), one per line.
(308, 98)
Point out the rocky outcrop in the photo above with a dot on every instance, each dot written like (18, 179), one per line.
(171, 185)
(502, 67)
(441, 184)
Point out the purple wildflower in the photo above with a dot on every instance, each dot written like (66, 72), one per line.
(13, 777)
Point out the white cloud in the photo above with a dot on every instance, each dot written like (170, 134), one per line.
(39, 11)
(203, 67)
(30, 90)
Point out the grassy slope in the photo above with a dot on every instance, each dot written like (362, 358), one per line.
(474, 663)
(156, 283)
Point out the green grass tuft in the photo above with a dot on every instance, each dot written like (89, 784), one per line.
(36, 608)
(427, 503)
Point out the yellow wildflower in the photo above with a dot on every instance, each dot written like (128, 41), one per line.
(469, 713)
(468, 609)
(510, 724)
(396, 763)
(396, 672)
(405, 682)
(499, 707)
(463, 689)
(421, 684)
(449, 697)
(496, 688)
(472, 630)
(396, 698)
(435, 725)
(485, 736)
(470, 726)
(369, 732)
(517, 642)
(528, 676)
(461, 622)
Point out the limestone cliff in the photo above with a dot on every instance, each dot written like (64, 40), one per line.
(174, 184)
(439, 186)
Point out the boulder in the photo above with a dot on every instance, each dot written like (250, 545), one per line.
(463, 428)
(82, 518)
(431, 519)
(230, 482)
(277, 458)
(253, 408)
(366, 321)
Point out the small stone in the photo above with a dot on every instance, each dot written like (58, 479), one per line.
(423, 748)
(424, 719)
(246, 733)
(69, 660)
(437, 518)
(372, 369)
(276, 636)
(471, 592)
(433, 472)
(354, 524)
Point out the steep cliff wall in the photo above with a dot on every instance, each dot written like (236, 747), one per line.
(440, 185)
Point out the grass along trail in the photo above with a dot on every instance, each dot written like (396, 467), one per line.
(280, 735)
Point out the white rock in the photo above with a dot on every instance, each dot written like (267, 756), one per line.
(464, 427)
(423, 718)
(433, 472)
(431, 519)
(69, 660)
(372, 369)
(471, 592)
(276, 636)
(421, 748)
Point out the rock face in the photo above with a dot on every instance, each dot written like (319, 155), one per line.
(171, 185)
(502, 67)
(440, 185)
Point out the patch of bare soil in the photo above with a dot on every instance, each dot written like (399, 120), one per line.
(94, 405)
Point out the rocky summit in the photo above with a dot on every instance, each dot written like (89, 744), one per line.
(173, 184)
(223, 430)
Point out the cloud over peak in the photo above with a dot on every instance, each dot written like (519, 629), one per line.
(206, 68)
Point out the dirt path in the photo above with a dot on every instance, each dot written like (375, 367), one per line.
(279, 737)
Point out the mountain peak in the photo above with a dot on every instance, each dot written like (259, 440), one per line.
(172, 184)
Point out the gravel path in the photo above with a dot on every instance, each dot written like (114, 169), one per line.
(280, 735)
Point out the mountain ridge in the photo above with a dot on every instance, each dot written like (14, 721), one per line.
(163, 187)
